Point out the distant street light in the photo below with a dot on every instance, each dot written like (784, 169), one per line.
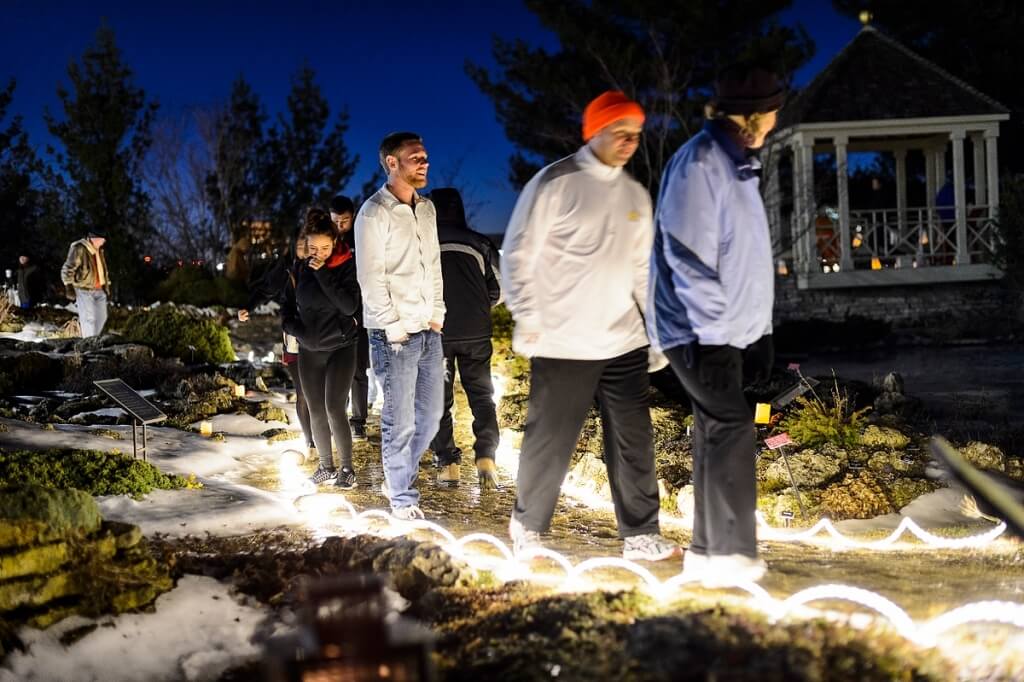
(220, 267)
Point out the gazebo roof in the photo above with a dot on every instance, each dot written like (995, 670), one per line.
(876, 78)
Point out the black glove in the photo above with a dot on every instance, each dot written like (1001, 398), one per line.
(758, 359)
(719, 367)
(69, 291)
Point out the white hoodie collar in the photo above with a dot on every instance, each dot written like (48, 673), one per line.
(589, 162)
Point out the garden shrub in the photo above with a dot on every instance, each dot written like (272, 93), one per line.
(833, 420)
(170, 333)
(92, 471)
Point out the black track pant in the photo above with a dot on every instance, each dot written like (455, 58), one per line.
(724, 448)
(300, 403)
(326, 381)
(472, 359)
(561, 393)
(360, 380)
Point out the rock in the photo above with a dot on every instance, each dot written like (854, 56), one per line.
(857, 496)
(33, 514)
(905, 490)
(684, 502)
(131, 352)
(777, 508)
(1014, 467)
(893, 383)
(811, 469)
(36, 590)
(261, 385)
(33, 369)
(266, 411)
(892, 464)
(984, 456)
(884, 437)
(37, 560)
(278, 435)
(590, 472)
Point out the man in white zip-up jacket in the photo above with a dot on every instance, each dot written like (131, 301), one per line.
(575, 269)
(403, 310)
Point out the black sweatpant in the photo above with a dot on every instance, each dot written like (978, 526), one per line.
(300, 403)
(561, 392)
(360, 380)
(472, 359)
(326, 381)
(724, 448)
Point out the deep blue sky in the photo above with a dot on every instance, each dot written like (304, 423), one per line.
(395, 65)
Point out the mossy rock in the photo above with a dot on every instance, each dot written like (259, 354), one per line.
(1014, 468)
(32, 514)
(266, 411)
(897, 464)
(37, 590)
(984, 456)
(811, 469)
(776, 508)
(19, 370)
(903, 491)
(172, 333)
(93, 471)
(857, 496)
(884, 437)
(35, 560)
(279, 435)
(107, 433)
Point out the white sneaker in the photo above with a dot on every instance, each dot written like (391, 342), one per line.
(524, 540)
(727, 570)
(694, 566)
(408, 513)
(648, 547)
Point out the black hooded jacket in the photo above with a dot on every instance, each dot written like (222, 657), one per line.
(320, 309)
(469, 267)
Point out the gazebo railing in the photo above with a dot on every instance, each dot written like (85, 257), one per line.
(916, 237)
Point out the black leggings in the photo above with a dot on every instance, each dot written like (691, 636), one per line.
(326, 381)
(300, 403)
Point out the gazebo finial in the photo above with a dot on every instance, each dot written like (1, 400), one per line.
(865, 17)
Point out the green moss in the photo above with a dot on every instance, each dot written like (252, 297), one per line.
(278, 435)
(107, 433)
(92, 471)
(31, 513)
(857, 496)
(170, 333)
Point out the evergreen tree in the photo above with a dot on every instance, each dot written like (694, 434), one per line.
(20, 197)
(665, 55)
(237, 183)
(105, 133)
(308, 162)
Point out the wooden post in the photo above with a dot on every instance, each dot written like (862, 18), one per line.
(901, 189)
(843, 184)
(992, 164)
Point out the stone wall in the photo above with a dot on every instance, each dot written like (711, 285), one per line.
(938, 312)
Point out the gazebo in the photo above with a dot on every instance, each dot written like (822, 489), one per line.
(879, 96)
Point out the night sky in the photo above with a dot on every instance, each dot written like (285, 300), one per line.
(394, 65)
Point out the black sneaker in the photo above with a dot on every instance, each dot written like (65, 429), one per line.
(358, 432)
(346, 479)
(323, 475)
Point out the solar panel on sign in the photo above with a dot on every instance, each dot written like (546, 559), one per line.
(128, 398)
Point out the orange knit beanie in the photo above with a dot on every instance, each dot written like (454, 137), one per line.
(607, 108)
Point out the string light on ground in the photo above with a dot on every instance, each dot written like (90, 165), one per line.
(334, 513)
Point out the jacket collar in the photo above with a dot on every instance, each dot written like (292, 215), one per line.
(391, 201)
(589, 163)
(341, 253)
(89, 247)
(746, 164)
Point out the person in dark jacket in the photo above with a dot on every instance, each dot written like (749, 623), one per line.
(469, 268)
(272, 287)
(30, 283)
(342, 213)
(320, 312)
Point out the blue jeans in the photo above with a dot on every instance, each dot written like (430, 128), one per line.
(412, 378)
(92, 311)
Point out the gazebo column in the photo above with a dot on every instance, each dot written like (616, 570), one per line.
(773, 198)
(992, 167)
(843, 184)
(963, 255)
(980, 170)
(940, 165)
(901, 189)
(803, 206)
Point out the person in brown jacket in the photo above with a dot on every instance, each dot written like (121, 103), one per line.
(87, 281)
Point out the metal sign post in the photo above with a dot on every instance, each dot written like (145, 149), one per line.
(141, 410)
(779, 443)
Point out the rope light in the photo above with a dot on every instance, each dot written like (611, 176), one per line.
(328, 512)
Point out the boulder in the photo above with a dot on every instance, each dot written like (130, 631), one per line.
(884, 437)
(897, 464)
(23, 370)
(984, 456)
(32, 515)
(811, 468)
(857, 496)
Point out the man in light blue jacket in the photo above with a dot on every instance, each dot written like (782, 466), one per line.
(710, 311)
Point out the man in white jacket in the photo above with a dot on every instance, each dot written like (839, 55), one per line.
(403, 310)
(575, 269)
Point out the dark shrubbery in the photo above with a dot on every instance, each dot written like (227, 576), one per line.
(195, 286)
(173, 333)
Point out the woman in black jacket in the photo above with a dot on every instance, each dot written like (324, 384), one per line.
(320, 312)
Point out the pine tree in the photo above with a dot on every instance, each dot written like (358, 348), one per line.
(20, 197)
(308, 162)
(105, 133)
(665, 55)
